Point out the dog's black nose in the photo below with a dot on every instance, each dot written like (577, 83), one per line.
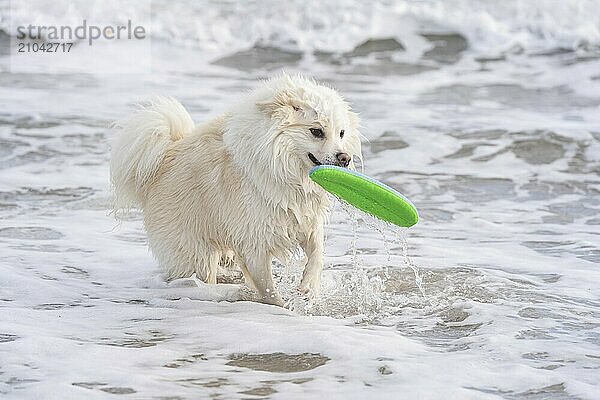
(343, 159)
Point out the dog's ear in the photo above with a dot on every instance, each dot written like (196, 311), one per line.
(286, 105)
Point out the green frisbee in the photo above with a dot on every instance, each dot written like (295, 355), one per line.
(366, 194)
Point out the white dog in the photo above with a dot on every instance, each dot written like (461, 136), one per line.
(237, 185)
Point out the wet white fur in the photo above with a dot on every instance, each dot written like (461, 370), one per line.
(237, 185)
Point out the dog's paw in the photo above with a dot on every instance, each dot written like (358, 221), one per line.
(246, 293)
(310, 287)
(272, 298)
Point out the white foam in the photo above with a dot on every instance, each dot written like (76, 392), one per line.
(218, 27)
(504, 249)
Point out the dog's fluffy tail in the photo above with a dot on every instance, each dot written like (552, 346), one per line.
(140, 146)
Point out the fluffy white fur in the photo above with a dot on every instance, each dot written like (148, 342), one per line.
(236, 186)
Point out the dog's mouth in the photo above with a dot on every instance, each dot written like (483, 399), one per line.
(312, 158)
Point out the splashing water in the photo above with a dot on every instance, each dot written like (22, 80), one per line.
(403, 240)
(384, 228)
(354, 224)
(358, 292)
(288, 277)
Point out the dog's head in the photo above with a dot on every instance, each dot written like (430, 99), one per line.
(315, 124)
(297, 124)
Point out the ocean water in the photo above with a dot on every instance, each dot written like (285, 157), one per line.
(486, 115)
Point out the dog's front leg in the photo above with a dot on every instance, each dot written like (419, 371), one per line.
(313, 248)
(258, 266)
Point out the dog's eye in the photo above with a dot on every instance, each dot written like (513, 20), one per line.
(316, 132)
(342, 133)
